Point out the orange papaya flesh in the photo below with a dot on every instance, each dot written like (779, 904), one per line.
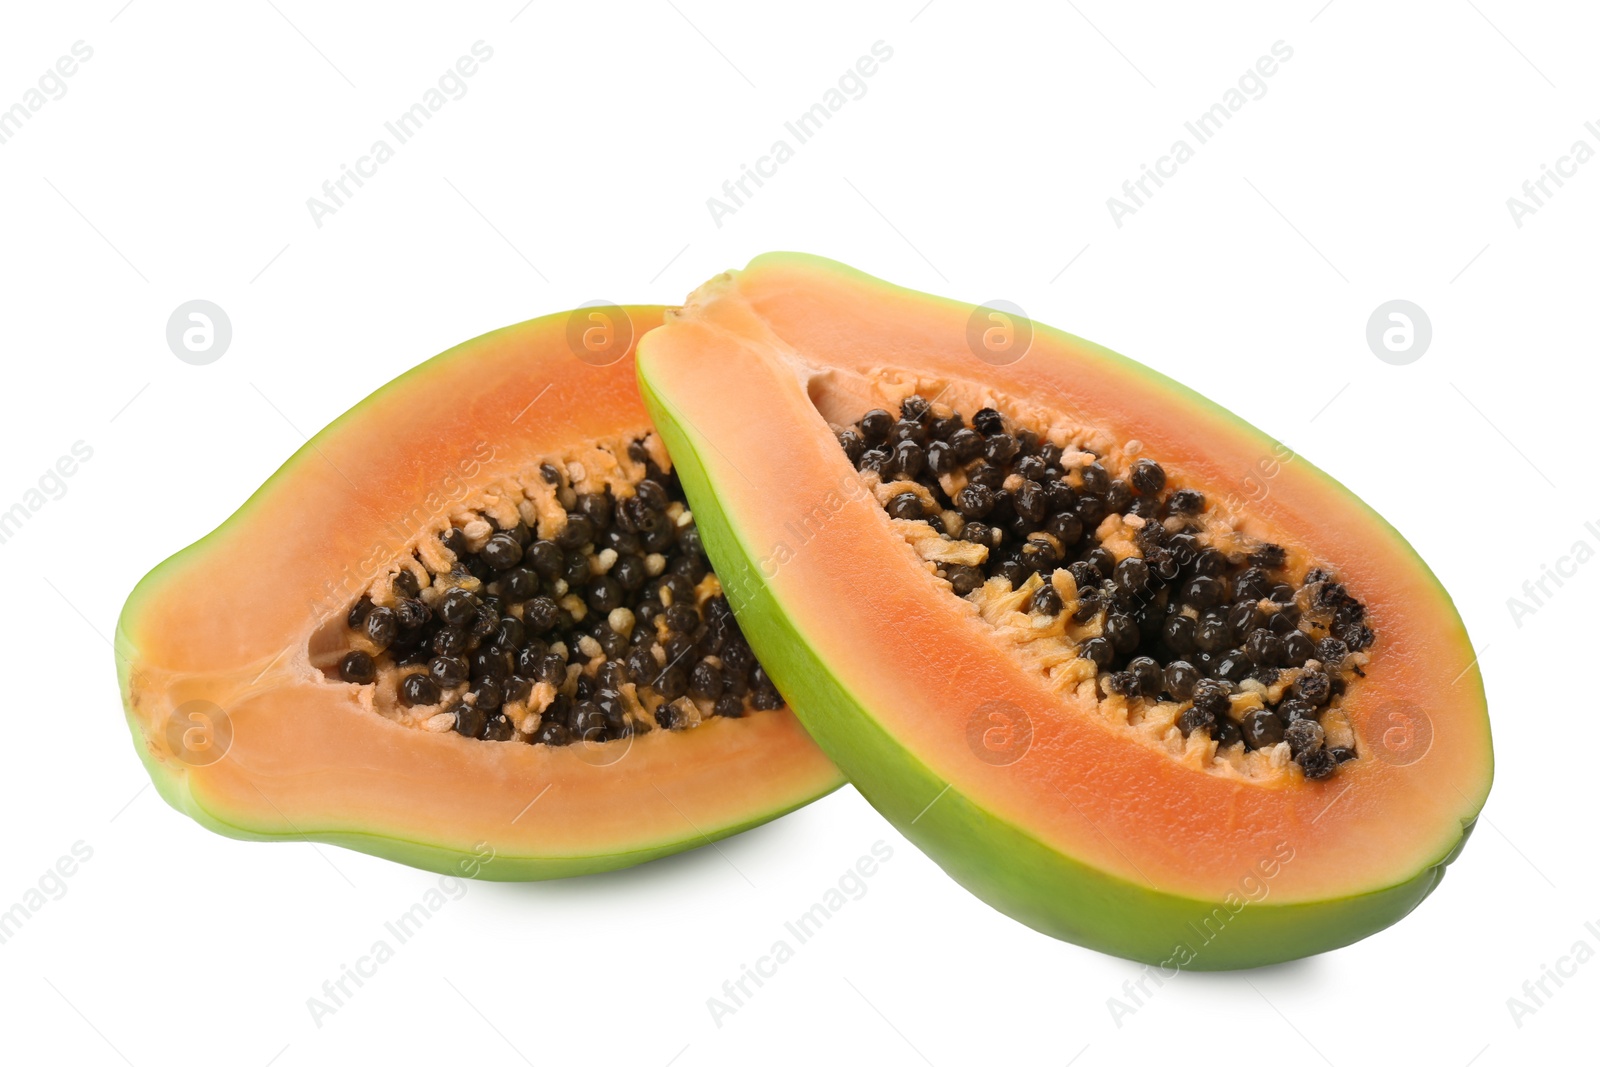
(1086, 815)
(229, 653)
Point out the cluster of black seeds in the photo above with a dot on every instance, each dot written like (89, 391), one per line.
(1180, 621)
(501, 628)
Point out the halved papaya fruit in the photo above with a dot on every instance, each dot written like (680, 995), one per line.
(469, 627)
(1128, 669)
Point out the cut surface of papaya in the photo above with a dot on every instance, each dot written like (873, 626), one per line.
(469, 627)
(1127, 668)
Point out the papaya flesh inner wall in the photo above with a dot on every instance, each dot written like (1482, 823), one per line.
(1096, 567)
(573, 604)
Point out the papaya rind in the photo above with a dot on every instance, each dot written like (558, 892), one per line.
(502, 866)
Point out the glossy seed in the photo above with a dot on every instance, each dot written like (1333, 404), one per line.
(488, 694)
(941, 458)
(1000, 449)
(1212, 635)
(1318, 763)
(1264, 648)
(577, 532)
(1262, 729)
(1148, 674)
(484, 622)
(1147, 477)
(470, 720)
(1096, 480)
(1314, 688)
(604, 595)
(671, 682)
(1212, 695)
(450, 641)
(587, 722)
(1178, 634)
(705, 681)
(1268, 556)
(966, 444)
(1196, 718)
(359, 612)
(964, 578)
(1031, 468)
(1303, 735)
(519, 584)
(357, 667)
(502, 552)
(874, 426)
(652, 494)
(1180, 679)
(1122, 683)
(554, 734)
(853, 444)
(1090, 510)
(905, 506)
(542, 614)
(1103, 562)
(1232, 666)
(987, 475)
(1098, 651)
(1243, 619)
(1123, 633)
(1332, 651)
(909, 459)
(1132, 576)
(448, 671)
(458, 607)
(382, 626)
(1297, 648)
(1030, 503)
(764, 695)
(1227, 732)
(975, 501)
(909, 430)
(1186, 502)
(1065, 527)
(988, 421)
(1202, 592)
(1293, 710)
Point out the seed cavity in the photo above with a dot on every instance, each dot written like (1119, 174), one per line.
(1124, 583)
(575, 605)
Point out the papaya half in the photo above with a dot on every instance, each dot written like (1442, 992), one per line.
(469, 627)
(1128, 669)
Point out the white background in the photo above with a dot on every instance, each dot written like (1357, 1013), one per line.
(577, 166)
